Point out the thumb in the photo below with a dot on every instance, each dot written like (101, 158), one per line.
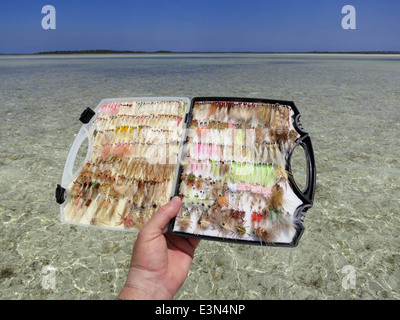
(159, 221)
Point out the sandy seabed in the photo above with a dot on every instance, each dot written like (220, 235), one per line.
(349, 105)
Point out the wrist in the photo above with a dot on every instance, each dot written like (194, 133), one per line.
(130, 292)
(143, 285)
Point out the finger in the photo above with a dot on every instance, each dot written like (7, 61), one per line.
(187, 245)
(162, 217)
(194, 242)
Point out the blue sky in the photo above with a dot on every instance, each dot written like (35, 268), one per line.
(202, 25)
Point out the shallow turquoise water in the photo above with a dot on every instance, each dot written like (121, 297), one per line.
(349, 104)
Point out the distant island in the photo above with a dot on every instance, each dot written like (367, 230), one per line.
(105, 51)
(98, 51)
(167, 51)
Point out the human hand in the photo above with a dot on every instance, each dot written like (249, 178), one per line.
(160, 262)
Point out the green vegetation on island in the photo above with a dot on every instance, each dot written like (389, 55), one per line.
(104, 51)
(97, 51)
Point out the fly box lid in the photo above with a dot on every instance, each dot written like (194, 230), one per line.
(229, 159)
(235, 173)
(130, 168)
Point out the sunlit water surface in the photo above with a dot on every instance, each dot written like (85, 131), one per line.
(349, 105)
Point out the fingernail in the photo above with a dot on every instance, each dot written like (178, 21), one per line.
(175, 200)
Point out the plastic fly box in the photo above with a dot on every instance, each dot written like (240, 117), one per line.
(130, 169)
(229, 159)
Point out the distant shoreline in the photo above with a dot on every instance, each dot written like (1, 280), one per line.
(192, 52)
